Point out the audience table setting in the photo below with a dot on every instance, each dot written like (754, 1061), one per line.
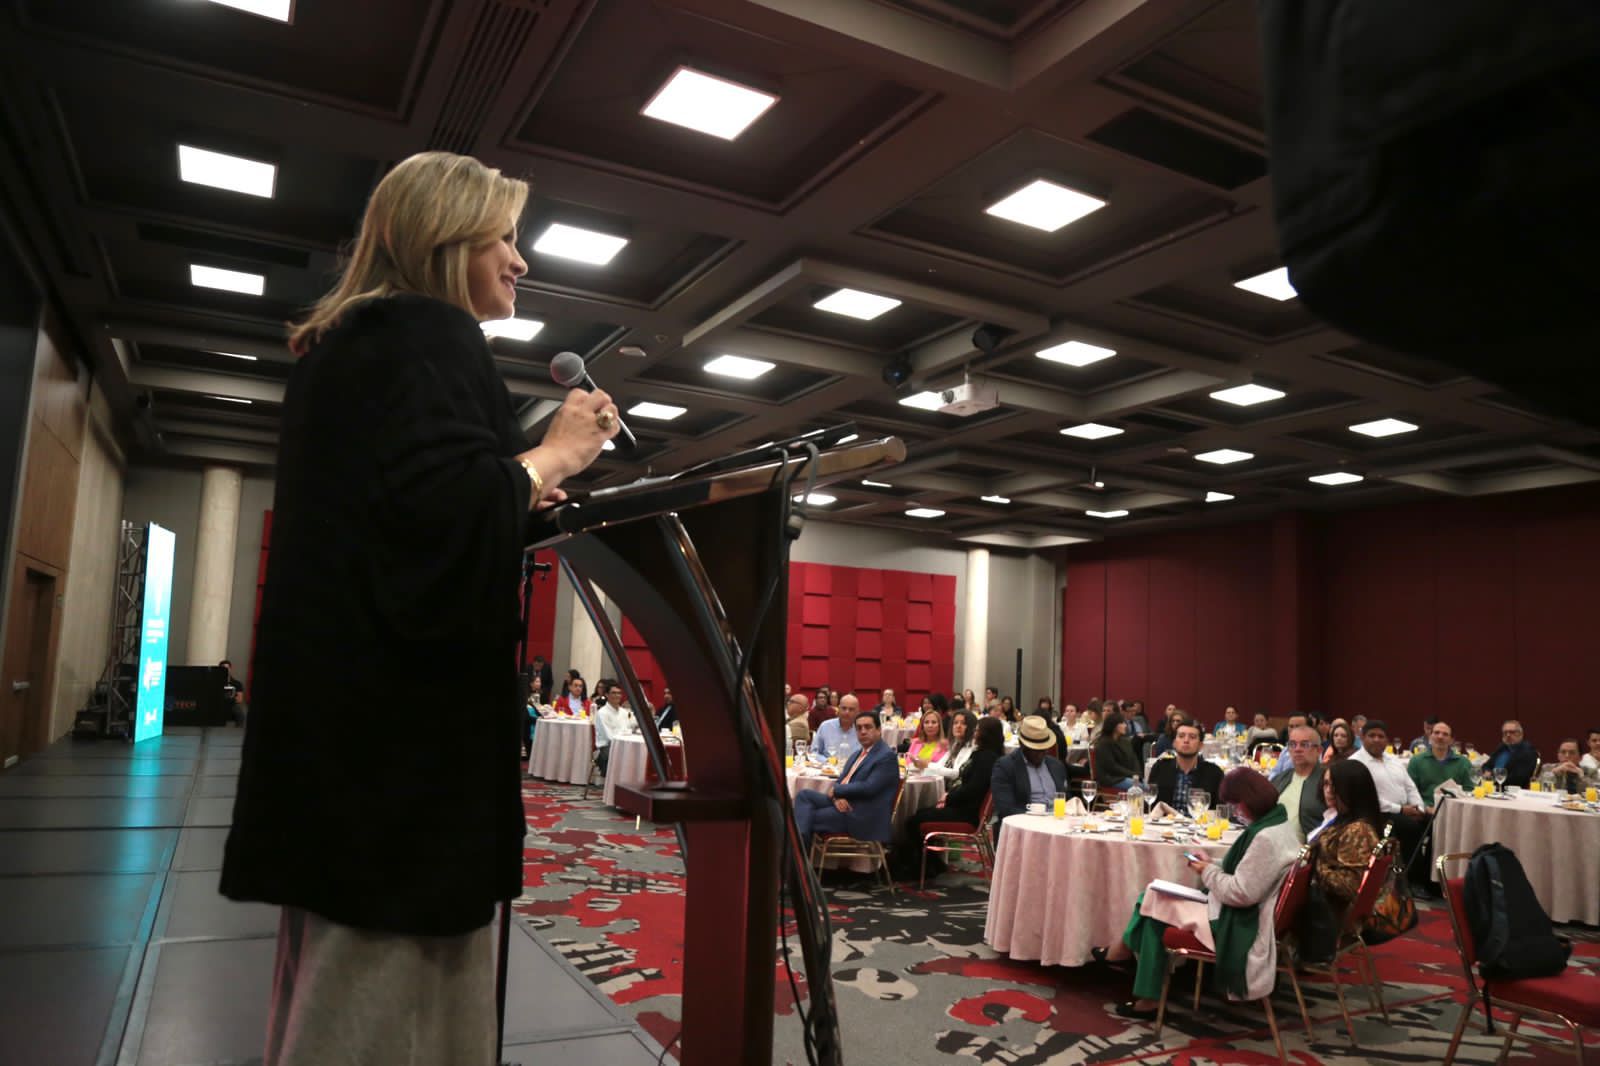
(562, 748)
(630, 761)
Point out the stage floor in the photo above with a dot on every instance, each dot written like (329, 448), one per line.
(116, 950)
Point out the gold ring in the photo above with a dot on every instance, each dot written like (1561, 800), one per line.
(605, 420)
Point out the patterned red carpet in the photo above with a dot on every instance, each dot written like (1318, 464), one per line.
(916, 982)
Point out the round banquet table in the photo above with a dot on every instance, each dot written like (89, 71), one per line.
(1559, 850)
(628, 762)
(1058, 893)
(561, 749)
(918, 792)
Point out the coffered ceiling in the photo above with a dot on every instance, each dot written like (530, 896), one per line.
(896, 126)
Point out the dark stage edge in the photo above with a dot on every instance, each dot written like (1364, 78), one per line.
(116, 950)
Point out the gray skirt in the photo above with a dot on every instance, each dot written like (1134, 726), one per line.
(343, 996)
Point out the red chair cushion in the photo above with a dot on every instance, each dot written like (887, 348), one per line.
(1572, 994)
(1183, 940)
(947, 827)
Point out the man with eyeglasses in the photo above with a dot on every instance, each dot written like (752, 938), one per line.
(1300, 789)
(1515, 755)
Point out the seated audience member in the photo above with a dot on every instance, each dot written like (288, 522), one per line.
(991, 696)
(969, 700)
(837, 735)
(963, 799)
(821, 709)
(1237, 919)
(667, 713)
(861, 802)
(1321, 724)
(1087, 730)
(612, 720)
(576, 699)
(1259, 731)
(1138, 724)
(1514, 755)
(833, 699)
(1344, 843)
(1440, 763)
(1591, 758)
(1294, 721)
(1163, 744)
(1398, 797)
(1008, 710)
(1420, 744)
(1174, 778)
(887, 707)
(1115, 764)
(799, 728)
(1571, 774)
(1358, 724)
(1069, 717)
(1300, 785)
(1341, 742)
(1161, 725)
(1045, 708)
(963, 735)
(1030, 774)
(1230, 726)
(930, 744)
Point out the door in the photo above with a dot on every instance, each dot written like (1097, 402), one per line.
(24, 688)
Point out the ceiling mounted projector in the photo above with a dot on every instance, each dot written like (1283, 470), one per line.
(968, 399)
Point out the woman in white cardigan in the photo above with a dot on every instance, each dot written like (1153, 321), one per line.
(963, 741)
(1236, 920)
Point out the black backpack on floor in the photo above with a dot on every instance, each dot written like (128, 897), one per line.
(1512, 933)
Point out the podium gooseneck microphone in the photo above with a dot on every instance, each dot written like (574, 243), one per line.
(567, 369)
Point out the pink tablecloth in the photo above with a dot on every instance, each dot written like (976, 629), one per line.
(1057, 893)
(1559, 850)
(627, 763)
(561, 749)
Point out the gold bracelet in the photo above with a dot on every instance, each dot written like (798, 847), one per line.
(538, 482)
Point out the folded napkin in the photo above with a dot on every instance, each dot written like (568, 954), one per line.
(1163, 810)
(1075, 806)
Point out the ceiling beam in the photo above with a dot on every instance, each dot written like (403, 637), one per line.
(206, 383)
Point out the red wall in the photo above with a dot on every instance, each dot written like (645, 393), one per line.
(542, 613)
(1474, 609)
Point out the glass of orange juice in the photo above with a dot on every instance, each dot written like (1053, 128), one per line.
(1591, 794)
(1214, 830)
(1533, 786)
(1136, 826)
(788, 762)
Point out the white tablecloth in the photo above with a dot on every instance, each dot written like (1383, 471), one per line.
(561, 749)
(1057, 894)
(1559, 850)
(627, 763)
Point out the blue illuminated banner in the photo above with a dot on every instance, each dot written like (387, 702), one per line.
(150, 709)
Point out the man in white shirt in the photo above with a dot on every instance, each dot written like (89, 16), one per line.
(1591, 760)
(611, 720)
(1398, 797)
(838, 735)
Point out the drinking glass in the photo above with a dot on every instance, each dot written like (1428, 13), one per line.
(1088, 788)
(1199, 803)
(1500, 777)
(1060, 807)
(1150, 800)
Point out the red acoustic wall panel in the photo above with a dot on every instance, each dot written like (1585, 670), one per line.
(1083, 630)
(542, 612)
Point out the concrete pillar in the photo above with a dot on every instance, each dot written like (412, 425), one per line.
(211, 595)
(585, 655)
(975, 633)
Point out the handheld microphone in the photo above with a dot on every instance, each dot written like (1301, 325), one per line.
(568, 370)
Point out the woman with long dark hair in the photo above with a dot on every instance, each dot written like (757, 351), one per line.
(1341, 742)
(1115, 764)
(963, 737)
(964, 800)
(1342, 846)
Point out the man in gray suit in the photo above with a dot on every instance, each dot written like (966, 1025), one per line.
(1300, 789)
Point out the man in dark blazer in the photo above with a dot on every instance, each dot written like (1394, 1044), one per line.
(861, 803)
(667, 713)
(1304, 778)
(1515, 754)
(1185, 771)
(1030, 774)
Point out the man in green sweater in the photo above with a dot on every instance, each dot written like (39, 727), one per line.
(1440, 763)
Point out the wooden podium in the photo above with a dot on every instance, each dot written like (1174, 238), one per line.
(698, 564)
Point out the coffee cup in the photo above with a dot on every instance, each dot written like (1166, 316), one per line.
(1035, 808)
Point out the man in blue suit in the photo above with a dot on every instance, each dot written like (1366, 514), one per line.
(861, 802)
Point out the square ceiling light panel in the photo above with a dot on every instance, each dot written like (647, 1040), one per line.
(1248, 395)
(200, 166)
(1075, 353)
(1383, 427)
(1091, 431)
(923, 401)
(1107, 514)
(707, 103)
(227, 280)
(1274, 285)
(1338, 477)
(664, 412)
(1224, 456)
(738, 366)
(517, 329)
(579, 244)
(856, 304)
(1218, 497)
(277, 10)
(1046, 206)
(924, 512)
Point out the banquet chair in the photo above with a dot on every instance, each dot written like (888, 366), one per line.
(1104, 796)
(1181, 944)
(825, 846)
(1570, 999)
(1350, 939)
(957, 837)
(594, 767)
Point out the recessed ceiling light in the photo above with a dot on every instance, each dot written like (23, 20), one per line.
(583, 245)
(1247, 395)
(708, 103)
(847, 440)
(1090, 431)
(923, 401)
(1107, 514)
(995, 499)
(1217, 497)
(235, 355)
(1225, 455)
(227, 280)
(1338, 477)
(1076, 353)
(1045, 205)
(857, 304)
(924, 512)
(231, 399)
(1273, 284)
(1383, 427)
(737, 366)
(234, 173)
(666, 412)
(277, 10)
(518, 329)
(876, 484)
(819, 499)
